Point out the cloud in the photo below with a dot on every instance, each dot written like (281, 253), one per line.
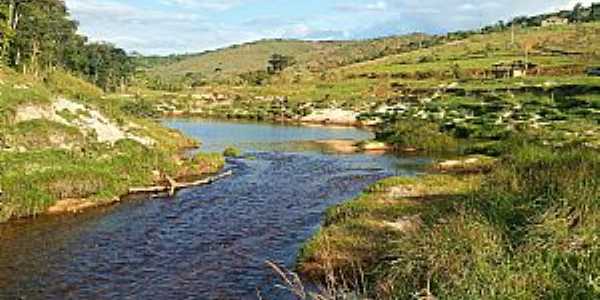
(176, 26)
(368, 7)
(219, 5)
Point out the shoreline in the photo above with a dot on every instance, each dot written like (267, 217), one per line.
(71, 206)
(79, 205)
(75, 206)
(286, 121)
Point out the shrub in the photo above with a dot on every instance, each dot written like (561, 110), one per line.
(141, 109)
(419, 134)
(232, 152)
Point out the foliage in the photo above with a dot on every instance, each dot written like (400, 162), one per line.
(140, 109)
(417, 134)
(39, 36)
(255, 77)
(232, 152)
(278, 63)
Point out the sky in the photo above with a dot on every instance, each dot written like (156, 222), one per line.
(188, 26)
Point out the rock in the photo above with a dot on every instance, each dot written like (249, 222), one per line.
(332, 116)
(87, 120)
(20, 86)
(374, 146)
(406, 224)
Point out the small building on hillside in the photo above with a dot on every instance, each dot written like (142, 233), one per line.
(555, 21)
(513, 69)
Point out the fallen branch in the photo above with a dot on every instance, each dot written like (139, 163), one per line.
(173, 185)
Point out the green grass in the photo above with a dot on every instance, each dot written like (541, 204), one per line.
(42, 161)
(72, 87)
(34, 180)
(471, 105)
(43, 134)
(17, 90)
(527, 230)
(226, 65)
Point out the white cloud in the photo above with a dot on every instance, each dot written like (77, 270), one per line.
(219, 5)
(168, 26)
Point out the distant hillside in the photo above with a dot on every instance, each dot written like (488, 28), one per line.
(308, 55)
(225, 65)
(239, 59)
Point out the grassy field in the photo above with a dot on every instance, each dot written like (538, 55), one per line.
(48, 155)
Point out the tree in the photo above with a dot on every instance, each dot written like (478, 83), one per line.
(6, 32)
(38, 36)
(578, 13)
(278, 63)
(456, 71)
(527, 46)
(595, 14)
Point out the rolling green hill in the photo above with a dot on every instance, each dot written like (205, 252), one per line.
(239, 59)
(314, 56)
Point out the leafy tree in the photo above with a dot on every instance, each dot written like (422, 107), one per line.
(577, 14)
(38, 36)
(278, 63)
(595, 13)
(6, 32)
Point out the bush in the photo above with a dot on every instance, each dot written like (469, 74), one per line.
(140, 108)
(419, 134)
(232, 152)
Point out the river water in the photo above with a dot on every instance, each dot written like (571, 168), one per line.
(209, 242)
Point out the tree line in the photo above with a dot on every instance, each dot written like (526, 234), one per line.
(579, 14)
(39, 36)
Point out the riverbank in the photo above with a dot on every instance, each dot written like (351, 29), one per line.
(521, 226)
(281, 187)
(65, 146)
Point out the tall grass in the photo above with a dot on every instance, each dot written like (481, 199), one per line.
(527, 230)
(530, 232)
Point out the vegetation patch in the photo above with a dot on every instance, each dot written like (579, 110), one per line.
(525, 230)
(232, 152)
(417, 135)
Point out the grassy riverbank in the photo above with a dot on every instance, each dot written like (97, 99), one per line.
(523, 227)
(63, 139)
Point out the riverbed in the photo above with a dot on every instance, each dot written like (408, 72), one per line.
(208, 242)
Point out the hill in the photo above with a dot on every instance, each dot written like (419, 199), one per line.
(449, 81)
(240, 59)
(314, 56)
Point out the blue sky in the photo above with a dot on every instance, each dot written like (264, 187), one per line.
(180, 26)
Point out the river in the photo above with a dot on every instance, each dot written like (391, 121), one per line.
(208, 242)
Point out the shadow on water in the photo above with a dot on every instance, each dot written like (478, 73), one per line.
(207, 243)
